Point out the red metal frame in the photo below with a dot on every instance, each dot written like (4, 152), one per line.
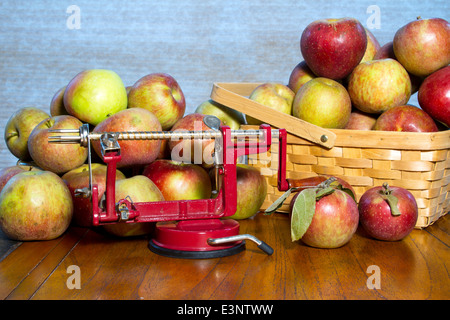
(223, 205)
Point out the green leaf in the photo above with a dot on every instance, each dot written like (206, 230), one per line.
(393, 201)
(302, 213)
(279, 202)
(324, 192)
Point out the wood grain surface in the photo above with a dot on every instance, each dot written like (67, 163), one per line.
(415, 268)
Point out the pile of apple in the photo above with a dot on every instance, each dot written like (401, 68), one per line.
(38, 198)
(348, 81)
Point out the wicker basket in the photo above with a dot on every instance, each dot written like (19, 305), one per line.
(419, 162)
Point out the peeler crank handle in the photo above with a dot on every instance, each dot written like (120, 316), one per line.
(261, 244)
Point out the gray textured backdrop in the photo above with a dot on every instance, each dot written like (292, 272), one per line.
(197, 42)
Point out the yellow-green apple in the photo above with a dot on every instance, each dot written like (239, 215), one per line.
(161, 94)
(139, 189)
(378, 85)
(387, 51)
(422, 46)
(229, 117)
(197, 151)
(57, 107)
(300, 75)
(332, 48)
(434, 95)
(388, 212)
(273, 95)
(18, 129)
(334, 219)
(323, 102)
(77, 179)
(251, 189)
(133, 152)
(35, 205)
(372, 47)
(9, 172)
(179, 181)
(55, 157)
(361, 120)
(95, 94)
(405, 118)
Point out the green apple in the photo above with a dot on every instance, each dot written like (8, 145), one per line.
(35, 205)
(9, 172)
(323, 102)
(140, 189)
(229, 117)
(300, 75)
(95, 94)
(18, 129)
(273, 95)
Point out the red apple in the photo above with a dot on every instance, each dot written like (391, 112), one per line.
(377, 85)
(94, 95)
(434, 95)
(140, 189)
(372, 47)
(197, 151)
(179, 181)
(334, 221)
(323, 102)
(361, 120)
(35, 205)
(273, 95)
(423, 46)
(387, 51)
(332, 48)
(9, 172)
(382, 222)
(57, 107)
(300, 75)
(55, 157)
(18, 128)
(78, 178)
(161, 94)
(405, 118)
(133, 152)
(251, 191)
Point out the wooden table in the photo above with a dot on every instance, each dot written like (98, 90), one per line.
(124, 268)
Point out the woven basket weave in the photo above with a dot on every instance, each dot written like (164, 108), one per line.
(418, 162)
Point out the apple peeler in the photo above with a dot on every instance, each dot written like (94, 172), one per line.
(184, 228)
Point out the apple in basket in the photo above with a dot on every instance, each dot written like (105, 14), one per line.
(388, 212)
(332, 48)
(370, 85)
(229, 117)
(273, 95)
(405, 118)
(161, 94)
(300, 75)
(422, 46)
(434, 95)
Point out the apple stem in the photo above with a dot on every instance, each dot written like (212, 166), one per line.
(327, 183)
(390, 199)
